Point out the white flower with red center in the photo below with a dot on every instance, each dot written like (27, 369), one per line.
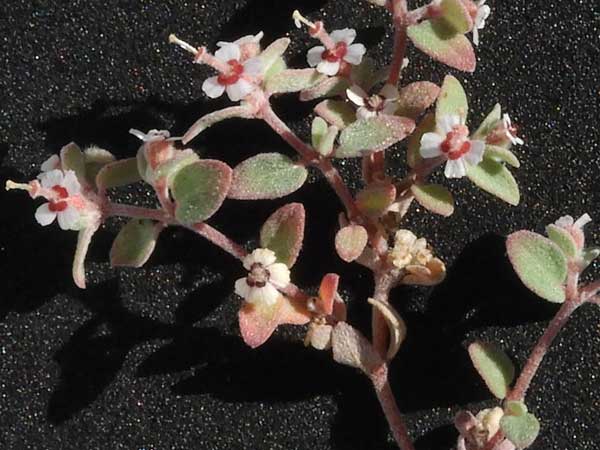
(62, 190)
(451, 140)
(340, 51)
(511, 131)
(264, 279)
(385, 102)
(480, 16)
(237, 78)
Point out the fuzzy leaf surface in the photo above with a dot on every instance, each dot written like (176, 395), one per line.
(494, 178)
(494, 366)
(452, 100)
(293, 80)
(118, 173)
(350, 242)
(134, 244)
(283, 233)
(434, 197)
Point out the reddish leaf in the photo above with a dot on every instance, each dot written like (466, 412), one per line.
(327, 291)
(376, 199)
(283, 233)
(350, 242)
(416, 98)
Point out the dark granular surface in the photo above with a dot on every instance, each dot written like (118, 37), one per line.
(152, 359)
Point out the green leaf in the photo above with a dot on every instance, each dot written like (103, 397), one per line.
(118, 173)
(456, 15)
(374, 200)
(444, 44)
(266, 176)
(413, 153)
(293, 80)
(515, 408)
(278, 66)
(494, 177)
(365, 74)
(501, 154)
(416, 98)
(134, 244)
(283, 233)
(329, 87)
(95, 159)
(588, 255)
(452, 100)
(434, 197)
(563, 239)
(489, 123)
(71, 158)
(350, 241)
(522, 431)
(272, 53)
(318, 130)
(493, 366)
(336, 112)
(199, 190)
(539, 263)
(372, 135)
(212, 118)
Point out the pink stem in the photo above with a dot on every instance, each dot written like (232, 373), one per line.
(390, 409)
(399, 13)
(219, 239)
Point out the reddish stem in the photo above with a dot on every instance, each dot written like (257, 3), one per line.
(399, 14)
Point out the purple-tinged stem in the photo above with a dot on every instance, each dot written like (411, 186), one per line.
(399, 12)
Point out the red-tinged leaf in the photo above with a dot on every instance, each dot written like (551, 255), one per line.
(84, 238)
(455, 14)
(327, 291)
(443, 44)
(350, 242)
(199, 190)
(375, 200)
(283, 233)
(351, 348)
(416, 97)
(336, 112)
(413, 153)
(258, 322)
(209, 120)
(329, 87)
(293, 80)
(266, 176)
(494, 366)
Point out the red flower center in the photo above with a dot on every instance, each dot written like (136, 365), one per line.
(258, 276)
(58, 206)
(336, 53)
(235, 72)
(457, 142)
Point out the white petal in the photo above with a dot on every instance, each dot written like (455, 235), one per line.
(328, 68)
(248, 39)
(51, 163)
(483, 12)
(279, 275)
(71, 183)
(475, 35)
(564, 222)
(582, 221)
(314, 55)
(212, 88)
(253, 67)
(365, 113)
(355, 54)
(44, 216)
(241, 288)
(228, 51)
(389, 92)
(51, 179)
(356, 95)
(69, 218)
(506, 120)
(455, 168)
(263, 256)
(239, 90)
(266, 295)
(430, 145)
(346, 35)
(448, 122)
(475, 155)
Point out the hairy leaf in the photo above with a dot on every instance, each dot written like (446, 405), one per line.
(563, 239)
(135, 243)
(434, 197)
(95, 159)
(329, 87)
(494, 366)
(266, 176)
(539, 263)
(351, 348)
(273, 52)
(84, 238)
(212, 118)
(72, 158)
(495, 178)
(118, 173)
(413, 153)
(374, 200)
(293, 80)
(452, 100)
(350, 242)
(283, 233)
(416, 97)
(501, 154)
(336, 112)
(455, 14)
(395, 324)
(489, 123)
(522, 430)
(318, 131)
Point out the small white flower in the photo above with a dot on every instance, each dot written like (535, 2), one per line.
(238, 80)
(511, 131)
(51, 163)
(372, 105)
(567, 222)
(63, 191)
(483, 12)
(451, 140)
(150, 136)
(264, 278)
(329, 61)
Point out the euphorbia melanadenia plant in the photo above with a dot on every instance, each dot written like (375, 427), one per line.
(364, 113)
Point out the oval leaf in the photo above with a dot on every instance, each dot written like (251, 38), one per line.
(336, 112)
(456, 15)
(199, 190)
(118, 173)
(501, 154)
(266, 176)
(71, 158)
(212, 118)
(493, 177)
(520, 430)
(539, 263)
(134, 244)
(434, 197)
(283, 233)
(443, 44)
(375, 200)
(372, 135)
(416, 98)
(329, 87)
(493, 366)
(293, 80)
(351, 348)
(395, 323)
(95, 159)
(413, 153)
(272, 53)
(563, 239)
(452, 100)
(318, 130)
(350, 242)
(489, 123)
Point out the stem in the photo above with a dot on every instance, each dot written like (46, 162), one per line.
(390, 409)
(384, 282)
(219, 239)
(399, 13)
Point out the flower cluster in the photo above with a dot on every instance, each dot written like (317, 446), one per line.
(413, 255)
